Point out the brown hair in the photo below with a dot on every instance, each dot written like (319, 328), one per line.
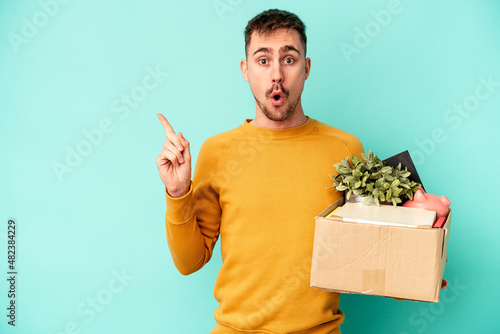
(272, 20)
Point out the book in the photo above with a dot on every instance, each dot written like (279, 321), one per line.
(386, 215)
(405, 159)
(440, 222)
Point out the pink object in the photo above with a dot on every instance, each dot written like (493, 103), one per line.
(440, 222)
(430, 202)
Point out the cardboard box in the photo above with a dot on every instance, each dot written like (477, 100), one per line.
(381, 260)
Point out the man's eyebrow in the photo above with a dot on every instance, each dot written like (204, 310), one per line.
(287, 48)
(264, 49)
(283, 49)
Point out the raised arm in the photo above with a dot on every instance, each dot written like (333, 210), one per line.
(193, 214)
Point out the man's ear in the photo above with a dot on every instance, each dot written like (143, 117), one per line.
(308, 67)
(244, 69)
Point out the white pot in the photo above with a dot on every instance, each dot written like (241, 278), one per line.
(356, 198)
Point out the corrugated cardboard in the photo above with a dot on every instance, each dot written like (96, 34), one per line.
(381, 260)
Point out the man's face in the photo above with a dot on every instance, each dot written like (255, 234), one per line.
(276, 69)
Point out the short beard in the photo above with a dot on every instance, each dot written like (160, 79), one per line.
(281, 116)
(278, 116)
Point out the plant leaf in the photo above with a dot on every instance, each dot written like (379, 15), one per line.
(386, 170)
(351, 179)
(357, 174)
(367, 199)
(358, 192)
(345, 170)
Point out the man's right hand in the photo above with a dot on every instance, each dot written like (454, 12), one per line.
(174, 161)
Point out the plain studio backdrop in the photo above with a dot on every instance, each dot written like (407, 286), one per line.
(81, 83)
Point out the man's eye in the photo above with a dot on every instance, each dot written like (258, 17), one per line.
(263, 61)
(288, 60)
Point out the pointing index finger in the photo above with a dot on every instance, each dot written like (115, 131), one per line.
(170, 132)
(166, 125)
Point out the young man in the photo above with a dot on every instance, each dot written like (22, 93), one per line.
(259, 186)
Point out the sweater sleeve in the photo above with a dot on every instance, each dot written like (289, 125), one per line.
(193, 221)
(355, 146)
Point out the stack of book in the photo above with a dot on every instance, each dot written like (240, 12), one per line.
(384, 215)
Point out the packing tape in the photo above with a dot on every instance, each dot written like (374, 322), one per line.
(373, 281)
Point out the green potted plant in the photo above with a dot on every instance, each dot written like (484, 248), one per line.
(371, 178)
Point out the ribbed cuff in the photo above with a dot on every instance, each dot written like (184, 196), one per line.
(180, 209)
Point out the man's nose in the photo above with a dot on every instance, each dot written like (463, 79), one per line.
(277, 73)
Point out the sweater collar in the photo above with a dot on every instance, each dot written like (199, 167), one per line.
(273, 134)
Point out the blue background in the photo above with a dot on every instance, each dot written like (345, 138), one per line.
(92, 254)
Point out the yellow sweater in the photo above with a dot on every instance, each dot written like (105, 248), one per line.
(260, 189)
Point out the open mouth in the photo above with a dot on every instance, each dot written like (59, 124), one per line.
(276, 99)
